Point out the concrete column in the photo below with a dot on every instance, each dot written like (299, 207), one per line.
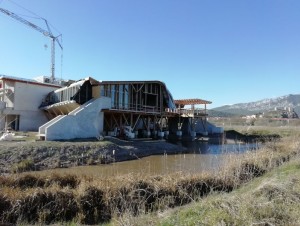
(147, 133)
(179, 134)
(193, 135)
(154, 134)
(166, 134)
(160, 135)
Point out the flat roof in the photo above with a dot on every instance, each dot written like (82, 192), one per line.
(25, 80)
(191, 101)
(132, 82)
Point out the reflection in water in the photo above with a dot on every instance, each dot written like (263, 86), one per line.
(207, 148)
(200, 157)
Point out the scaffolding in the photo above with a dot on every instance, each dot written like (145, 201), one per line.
(145, 108)
(142, 105)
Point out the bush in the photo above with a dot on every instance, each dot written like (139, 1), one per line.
(28, 181)
(45, 207)
(93, 207)
(24, 165)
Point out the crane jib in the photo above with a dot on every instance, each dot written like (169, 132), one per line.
(44, 32)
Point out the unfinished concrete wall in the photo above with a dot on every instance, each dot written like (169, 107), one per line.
(29, 96)
(27, 99)
(85, 122)
(31, 120)
(23, 99)
(2, 122)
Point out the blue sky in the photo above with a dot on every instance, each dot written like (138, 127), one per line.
(227, 52)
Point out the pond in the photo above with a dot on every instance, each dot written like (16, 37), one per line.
(217, 149)
(200, 157)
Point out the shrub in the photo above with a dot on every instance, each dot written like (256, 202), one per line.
(24, 165)
(68, 180)
(28, 181)
(93, 207)
(5, 205)
(45, 207)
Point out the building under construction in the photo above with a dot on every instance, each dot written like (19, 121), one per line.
(89, 108)
(127, 109)
(19, 103)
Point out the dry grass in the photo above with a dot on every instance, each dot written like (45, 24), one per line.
(54, 198)
(269, 200)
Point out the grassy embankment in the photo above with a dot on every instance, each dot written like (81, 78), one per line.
(83, 200)
(273, 199)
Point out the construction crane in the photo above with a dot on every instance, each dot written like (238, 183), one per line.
(44, 32)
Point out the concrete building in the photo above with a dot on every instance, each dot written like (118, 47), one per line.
(89, 108)
(74, 111)
(20, 100)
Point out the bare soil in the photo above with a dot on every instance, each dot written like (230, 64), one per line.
(41, 155)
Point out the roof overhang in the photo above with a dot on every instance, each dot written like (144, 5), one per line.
(27, 81)
(131, 82)
(61, 108)
(191, 101)
(79, 83)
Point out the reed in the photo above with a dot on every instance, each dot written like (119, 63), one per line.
(85, 200)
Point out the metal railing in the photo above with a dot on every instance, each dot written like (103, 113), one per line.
(136, 108)
(187, 111)
(154, 109)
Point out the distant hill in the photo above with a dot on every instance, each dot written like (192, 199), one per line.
(213, 113)
(289, 101)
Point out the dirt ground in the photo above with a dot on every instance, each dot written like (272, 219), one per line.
(25, 154)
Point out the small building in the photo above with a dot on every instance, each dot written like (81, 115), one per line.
(20, 100)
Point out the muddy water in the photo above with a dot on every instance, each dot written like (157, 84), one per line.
(200, 157)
